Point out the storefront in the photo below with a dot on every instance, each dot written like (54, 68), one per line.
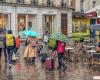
(93, 20)
(26, 21)
(64, 24)
(49, 23)
(4, 21)
(80, 25)
(19, 18)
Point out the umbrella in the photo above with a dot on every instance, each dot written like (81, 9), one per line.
(30, 33)
(59, 36)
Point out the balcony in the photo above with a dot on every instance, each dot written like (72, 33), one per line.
(63, 5)
(34, 2)
(48, 4)
(20, 1)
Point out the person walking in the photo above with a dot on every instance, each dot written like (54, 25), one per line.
(46, 37)
(60, 50)
(10, 45)
(30, 50)
(17, 46)
(2, 47)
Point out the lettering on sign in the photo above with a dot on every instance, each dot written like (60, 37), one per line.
(3, 9)
(28, 10)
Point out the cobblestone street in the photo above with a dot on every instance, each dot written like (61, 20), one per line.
(21, 71)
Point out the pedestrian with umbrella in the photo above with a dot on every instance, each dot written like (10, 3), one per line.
(61, 44)
(31, 47)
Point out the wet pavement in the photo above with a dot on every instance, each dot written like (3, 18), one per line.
(21, 71)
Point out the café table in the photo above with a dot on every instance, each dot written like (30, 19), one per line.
(69, 54)
(90, 55)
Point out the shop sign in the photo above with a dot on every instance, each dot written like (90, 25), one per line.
(98, 20)
(3, 9)
(28, 10)
(91, 14)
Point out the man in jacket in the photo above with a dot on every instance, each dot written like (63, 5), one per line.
(10, 44)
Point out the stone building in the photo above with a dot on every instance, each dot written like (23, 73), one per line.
(38, 15)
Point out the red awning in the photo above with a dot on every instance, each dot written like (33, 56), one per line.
(90, 15)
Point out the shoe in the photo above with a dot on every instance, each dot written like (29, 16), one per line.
(5, 61)
(64, 69)
(10, 65)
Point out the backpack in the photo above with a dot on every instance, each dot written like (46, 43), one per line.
(45, 38)
(61, 47)
(9, 40)
(52, 43)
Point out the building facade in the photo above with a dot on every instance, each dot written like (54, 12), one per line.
(38, 15)
(80, 23)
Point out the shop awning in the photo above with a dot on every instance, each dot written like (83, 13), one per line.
(94, 27)
(78, 14)
(94, 12)
(93, 9)
(90, 14)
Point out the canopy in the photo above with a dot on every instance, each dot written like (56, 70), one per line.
(93, 9)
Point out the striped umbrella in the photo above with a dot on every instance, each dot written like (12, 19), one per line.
(59, 36)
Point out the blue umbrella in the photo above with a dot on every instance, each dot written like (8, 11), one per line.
(30, 33)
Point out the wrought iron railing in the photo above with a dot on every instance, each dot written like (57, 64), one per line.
(35, 3)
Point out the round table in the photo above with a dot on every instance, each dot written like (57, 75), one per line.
(90, 55)
(69, 54)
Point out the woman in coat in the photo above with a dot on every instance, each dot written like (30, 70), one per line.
(31, 50)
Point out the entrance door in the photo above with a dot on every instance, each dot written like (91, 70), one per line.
(48, 23)
(64, 24)
(92, 32)
(4, 23)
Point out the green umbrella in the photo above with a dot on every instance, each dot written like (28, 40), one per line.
(59, 36)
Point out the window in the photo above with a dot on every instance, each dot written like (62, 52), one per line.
(1, 0)
(20, 1)
(34, 2)
(81, 5)
(49, 3)
(94, 3)
(63, 3)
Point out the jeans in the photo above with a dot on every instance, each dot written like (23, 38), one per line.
(10, 54)
(61, 60)
(16, 50)
(5, 54)
(0, 52)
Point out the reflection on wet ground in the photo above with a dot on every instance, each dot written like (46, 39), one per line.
(21, 71)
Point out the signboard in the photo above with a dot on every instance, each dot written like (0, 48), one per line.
(90, 15)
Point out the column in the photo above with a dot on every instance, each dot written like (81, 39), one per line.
(13, 23)
(2, 20)
(58, 23)
(69, 18)
(9, 21)
(26, 21)
(14, 26)
(40, 24)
